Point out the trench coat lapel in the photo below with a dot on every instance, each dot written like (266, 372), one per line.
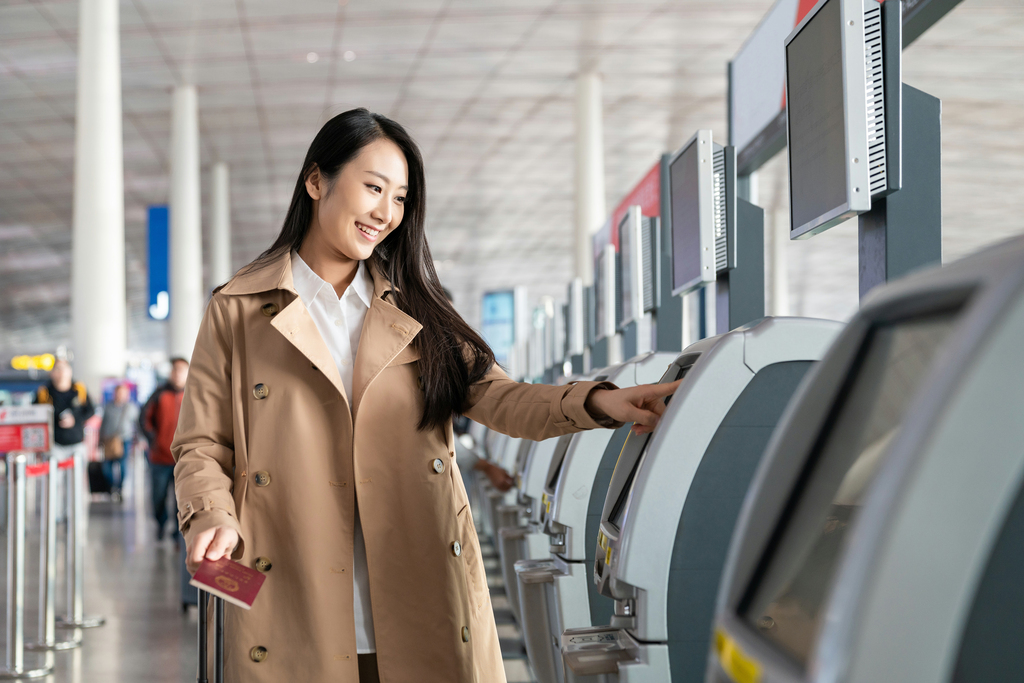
(297, 326)
(387, 332)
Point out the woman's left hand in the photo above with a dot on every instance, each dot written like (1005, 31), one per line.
(641, 405)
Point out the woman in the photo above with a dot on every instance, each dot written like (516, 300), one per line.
(315, 440)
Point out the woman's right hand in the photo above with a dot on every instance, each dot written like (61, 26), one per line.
(212, 545)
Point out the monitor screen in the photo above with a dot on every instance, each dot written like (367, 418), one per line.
(498, 324)
(627, 276)
(816, 118)
(557, 460)
(615, 515)
(685, 210)
(785, 601)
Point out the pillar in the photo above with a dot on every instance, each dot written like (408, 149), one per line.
(98, 297)
(220, 227)
(590, 204)
(187, 294)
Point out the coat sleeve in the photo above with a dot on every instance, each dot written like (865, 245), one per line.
(203, 445)
(533, 411)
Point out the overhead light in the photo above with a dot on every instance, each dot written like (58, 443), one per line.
(349, 55)
(312, 58)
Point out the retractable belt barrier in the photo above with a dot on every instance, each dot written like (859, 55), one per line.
(47, 471)
(218, 646)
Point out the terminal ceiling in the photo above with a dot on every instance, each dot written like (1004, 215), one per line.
(486, 87)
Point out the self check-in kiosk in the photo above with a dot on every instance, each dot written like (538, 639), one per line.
(675, 494)
(881, 538)
(555, 591)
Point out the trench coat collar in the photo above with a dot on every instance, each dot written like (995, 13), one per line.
(385, 340)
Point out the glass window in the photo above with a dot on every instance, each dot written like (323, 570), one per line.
(788, 596)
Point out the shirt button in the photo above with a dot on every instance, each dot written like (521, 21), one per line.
(259, 653)
(438, 465)
(345, 362)
(262, 478)
(337, 322)
(456, 549)
(261, 391)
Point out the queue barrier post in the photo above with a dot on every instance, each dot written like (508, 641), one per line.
(77, 527)
(16, 513)
(48, 561)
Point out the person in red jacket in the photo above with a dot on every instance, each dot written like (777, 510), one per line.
(158, 420)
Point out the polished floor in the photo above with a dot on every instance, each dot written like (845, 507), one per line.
(133, 580)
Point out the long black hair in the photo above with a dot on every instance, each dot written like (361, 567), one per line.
(452, 355)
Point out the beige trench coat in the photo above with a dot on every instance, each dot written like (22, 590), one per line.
(268, 445)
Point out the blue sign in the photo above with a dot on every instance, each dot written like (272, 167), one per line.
(498, 324)
(158, 249)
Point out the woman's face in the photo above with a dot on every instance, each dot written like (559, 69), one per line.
(364, 204)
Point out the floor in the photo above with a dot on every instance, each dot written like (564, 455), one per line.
(133, 580)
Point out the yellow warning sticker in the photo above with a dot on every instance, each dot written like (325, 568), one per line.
(735, 662)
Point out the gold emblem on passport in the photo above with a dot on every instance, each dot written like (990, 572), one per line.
(230, 585)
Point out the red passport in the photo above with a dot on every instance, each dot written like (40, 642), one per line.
(230, 580)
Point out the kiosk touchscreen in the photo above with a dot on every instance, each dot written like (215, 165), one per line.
(880, 540)
(675, 494)
(701, 213)
(841, 113)
(556, 591)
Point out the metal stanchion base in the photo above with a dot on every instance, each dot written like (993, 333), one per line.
(87, 622)
(54, 647)
(7, 675)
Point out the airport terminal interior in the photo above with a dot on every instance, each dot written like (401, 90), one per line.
(804, 216)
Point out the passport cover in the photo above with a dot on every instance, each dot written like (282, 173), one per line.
(230, 580)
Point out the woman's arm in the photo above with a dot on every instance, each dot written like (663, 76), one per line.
(542, 411)
(203, 445)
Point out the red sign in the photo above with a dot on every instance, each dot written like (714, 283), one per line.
(647, 194)
(25, 428)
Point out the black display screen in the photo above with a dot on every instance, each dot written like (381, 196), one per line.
(815, 109)
(685, 210)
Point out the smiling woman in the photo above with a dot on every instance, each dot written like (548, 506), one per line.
(315, 434)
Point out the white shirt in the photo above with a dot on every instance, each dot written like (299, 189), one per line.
(340, 322)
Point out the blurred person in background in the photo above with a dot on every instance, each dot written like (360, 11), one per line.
(158, 420)
(117, 433)
(71, 408)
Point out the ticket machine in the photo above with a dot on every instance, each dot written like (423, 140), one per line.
(881, 538)
(674, 497)
(574, 487)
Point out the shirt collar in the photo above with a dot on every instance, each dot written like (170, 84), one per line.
(308, 284)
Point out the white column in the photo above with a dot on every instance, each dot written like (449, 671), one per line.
(187, 295)
(98, 299)
(220, 227)
(590, 206)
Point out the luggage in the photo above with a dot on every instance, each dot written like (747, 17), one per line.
(189, 593)
(98, 482)
(218, 648)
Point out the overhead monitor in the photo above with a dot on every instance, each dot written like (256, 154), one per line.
(636, 267)
(842, 103)
(575, 317)
(605, 289)
(702, 201)
(785, 600)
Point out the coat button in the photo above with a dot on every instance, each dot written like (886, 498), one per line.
(259, 653)
(263, 564)
(261, 391)
(465, 634)
(456, 549)
(438, 465)
(262, 478)
(269, 310)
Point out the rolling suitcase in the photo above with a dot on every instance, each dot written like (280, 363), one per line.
(218, 647)
(189, 593)
(98, 482)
